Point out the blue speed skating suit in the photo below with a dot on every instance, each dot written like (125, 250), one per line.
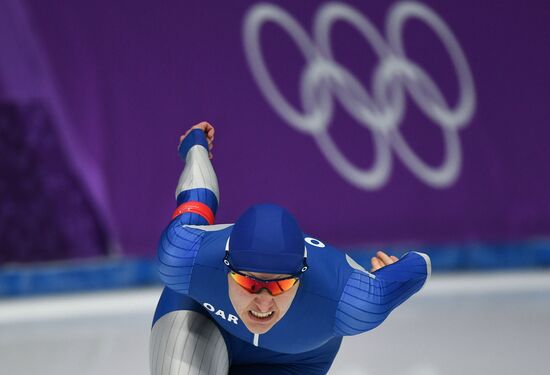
(336, 297)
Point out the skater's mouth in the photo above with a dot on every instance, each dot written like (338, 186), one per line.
(258, 316)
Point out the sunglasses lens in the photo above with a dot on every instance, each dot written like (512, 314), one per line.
(254, 286)
(286, 284)
(247, 283)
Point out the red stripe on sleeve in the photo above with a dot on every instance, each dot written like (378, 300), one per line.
(196, 208)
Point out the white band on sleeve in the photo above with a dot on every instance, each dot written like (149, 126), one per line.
(198, 172)
(428, 267)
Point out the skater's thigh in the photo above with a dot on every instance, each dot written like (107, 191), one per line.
(186, 342)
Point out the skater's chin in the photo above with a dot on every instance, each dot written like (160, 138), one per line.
(259, 322)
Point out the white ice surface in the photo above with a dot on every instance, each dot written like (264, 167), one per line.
(459, 324)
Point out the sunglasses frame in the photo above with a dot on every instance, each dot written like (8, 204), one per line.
(297, 276)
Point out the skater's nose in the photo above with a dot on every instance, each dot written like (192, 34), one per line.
(264, 301)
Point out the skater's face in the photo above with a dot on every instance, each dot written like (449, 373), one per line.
(260, 311)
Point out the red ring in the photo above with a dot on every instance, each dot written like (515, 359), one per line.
(196, 208)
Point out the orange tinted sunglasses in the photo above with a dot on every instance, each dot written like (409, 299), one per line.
(255, 285)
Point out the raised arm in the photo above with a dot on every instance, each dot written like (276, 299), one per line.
(197, 197)
(368, 298)
(197, 193)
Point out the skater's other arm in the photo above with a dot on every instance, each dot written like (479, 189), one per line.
(368, 298)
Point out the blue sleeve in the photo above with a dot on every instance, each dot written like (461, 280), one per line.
(177, 251)
(368, 299)
(197, 192)
(197, 202)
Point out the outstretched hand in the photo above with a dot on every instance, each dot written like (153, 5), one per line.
(208, 130)
(381, 260)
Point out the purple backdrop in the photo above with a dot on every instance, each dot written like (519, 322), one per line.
(463, 83)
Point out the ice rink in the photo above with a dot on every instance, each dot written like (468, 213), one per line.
(490, 323)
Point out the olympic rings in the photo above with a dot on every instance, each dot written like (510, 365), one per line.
(380, 111)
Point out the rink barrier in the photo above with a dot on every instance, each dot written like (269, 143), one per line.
(77, 276)
(109, 273)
